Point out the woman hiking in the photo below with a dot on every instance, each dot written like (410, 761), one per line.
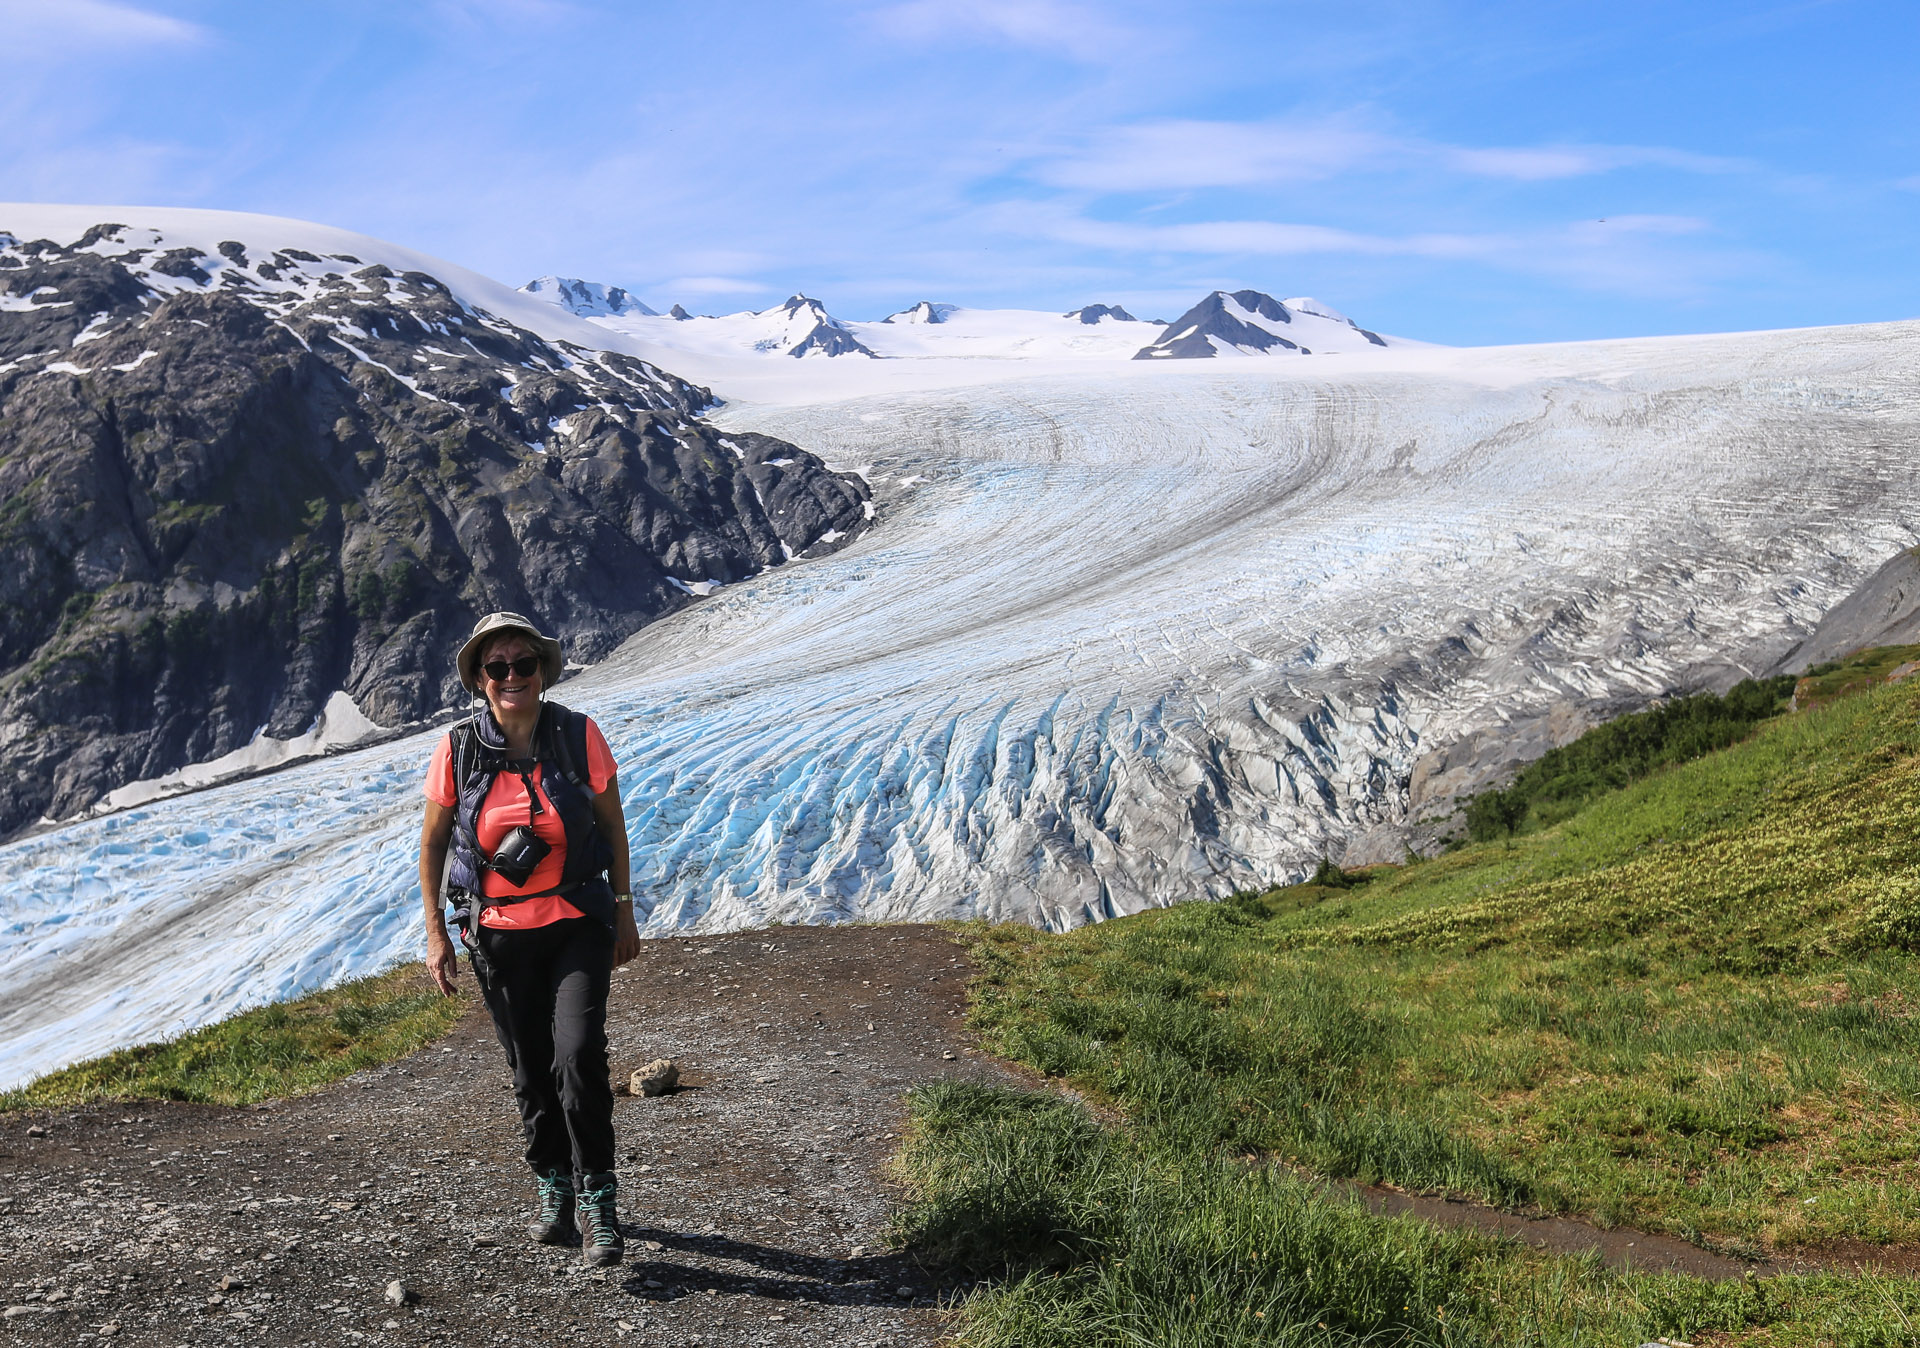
(524, 820)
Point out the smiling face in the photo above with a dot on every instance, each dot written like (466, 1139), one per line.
(513, 696)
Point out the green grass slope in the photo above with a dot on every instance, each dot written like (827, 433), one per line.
(271, 1053)
(1687, 1007)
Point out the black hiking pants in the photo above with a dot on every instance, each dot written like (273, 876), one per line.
(547, 990)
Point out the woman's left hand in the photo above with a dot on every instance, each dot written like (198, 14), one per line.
(626, 935)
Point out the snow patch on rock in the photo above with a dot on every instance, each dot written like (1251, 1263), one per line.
(339, 725)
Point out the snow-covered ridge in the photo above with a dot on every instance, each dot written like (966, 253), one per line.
(924, 312)
(335, 253)
(589, 299)
(1243, 323)
(801, 327)
(281, 263)
(1248, 323)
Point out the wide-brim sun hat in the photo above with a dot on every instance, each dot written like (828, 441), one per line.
(552, 665)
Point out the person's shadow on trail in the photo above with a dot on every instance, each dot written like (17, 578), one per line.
(870, 1280)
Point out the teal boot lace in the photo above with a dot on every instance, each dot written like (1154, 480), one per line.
(554, 1223)
(600, 1240)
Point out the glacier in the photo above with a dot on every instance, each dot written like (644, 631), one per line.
(1123, 635)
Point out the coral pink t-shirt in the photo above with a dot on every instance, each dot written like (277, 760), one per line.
(504, 810)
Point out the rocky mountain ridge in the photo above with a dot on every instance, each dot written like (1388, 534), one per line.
(1240, 323)
(1247, 322)
(238, 479)
(819, 331)
(586, 298)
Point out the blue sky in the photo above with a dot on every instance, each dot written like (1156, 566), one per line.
(1460, 172)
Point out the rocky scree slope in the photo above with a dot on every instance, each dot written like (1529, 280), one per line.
(1884, 611)
(233, 483)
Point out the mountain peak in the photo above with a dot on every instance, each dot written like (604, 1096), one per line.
(589, 299)
(924, 312)
(1093, 313)
(1252, 322)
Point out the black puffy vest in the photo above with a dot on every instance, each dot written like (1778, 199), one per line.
(479, 754)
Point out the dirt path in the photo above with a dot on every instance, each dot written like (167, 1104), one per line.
(748, 1198)
(1619, 1247)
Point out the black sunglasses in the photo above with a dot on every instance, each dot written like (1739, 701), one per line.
(525, 666)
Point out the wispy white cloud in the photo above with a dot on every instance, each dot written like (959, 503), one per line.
(1574, 161)
(42, 160)
(1618, 253)
(1526, 165)
(1174, 155)
(710, 285)
(1156, 156)
(62, 27)
(1083, 31)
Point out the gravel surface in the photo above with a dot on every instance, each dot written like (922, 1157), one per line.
(751, 1197)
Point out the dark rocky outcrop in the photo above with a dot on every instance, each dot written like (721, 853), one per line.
(1193, 335)
(227, 491)
(1187, 337)
(589, 299)
(1092, 313)
(828, 336)
(924, 312)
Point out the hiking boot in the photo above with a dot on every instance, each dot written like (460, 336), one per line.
(601, 1244)
(554, 1223)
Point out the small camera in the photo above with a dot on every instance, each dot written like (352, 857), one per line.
(519, 852)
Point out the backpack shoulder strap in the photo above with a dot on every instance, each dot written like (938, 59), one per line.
(463, 752)
(465, 739)
(567, 743)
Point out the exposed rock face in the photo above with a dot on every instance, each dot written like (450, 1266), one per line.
(1247, 321)
(234, 484)
(589, 299)
(1093, 313)
(924, 312)
(1885, 611)
(824, 334)
(1227, 317)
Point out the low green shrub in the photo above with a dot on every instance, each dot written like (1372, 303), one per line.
(1623, 751)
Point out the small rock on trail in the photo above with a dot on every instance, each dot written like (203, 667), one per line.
(656, 1078)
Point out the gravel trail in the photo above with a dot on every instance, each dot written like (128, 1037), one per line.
(750, 1198)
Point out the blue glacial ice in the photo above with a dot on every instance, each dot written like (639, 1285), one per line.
(1120, 637)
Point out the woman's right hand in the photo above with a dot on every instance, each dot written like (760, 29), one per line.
(435, 831)
(443, 965)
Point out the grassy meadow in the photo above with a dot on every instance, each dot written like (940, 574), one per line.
(288, 1048)
(1685, 1006)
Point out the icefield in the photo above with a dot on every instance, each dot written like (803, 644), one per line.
(1123, 635)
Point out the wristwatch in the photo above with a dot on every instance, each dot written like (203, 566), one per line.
(623, 898)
